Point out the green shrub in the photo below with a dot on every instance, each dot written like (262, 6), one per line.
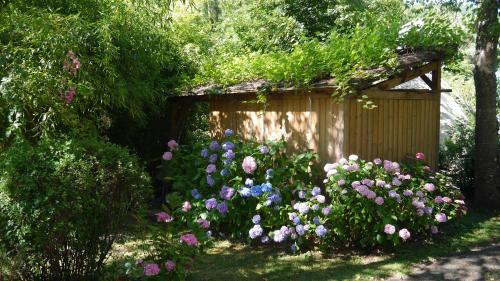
(63, 203)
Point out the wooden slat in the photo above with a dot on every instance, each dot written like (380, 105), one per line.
(406, 76)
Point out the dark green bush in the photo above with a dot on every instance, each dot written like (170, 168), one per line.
(62, 204)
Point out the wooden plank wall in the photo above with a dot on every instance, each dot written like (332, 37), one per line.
(399, 126)
(308, 120)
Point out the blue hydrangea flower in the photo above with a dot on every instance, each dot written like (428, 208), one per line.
(326, 211)
(291, 216)
(224, 172)
(228, 146)
(256, 219)
(316, 220)
(214, 146)
(228, 133)
(196, 194)
(204, 153)
(255, 231)
(302, 207)
(275, 198)
(296, 220)
(315, 207)
(266, 187)
(249, 182)
(264, 239)
(226, 162)
(316, 191)
(321, 231)
(210, 180)
(256, 190)
(212, 158)
(245, 192)
(300, 229)
(222, 208)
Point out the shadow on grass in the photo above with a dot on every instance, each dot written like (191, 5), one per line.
(230, 261)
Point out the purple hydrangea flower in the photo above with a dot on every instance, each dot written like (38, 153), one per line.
(228, 133)
(315, 207)
(229, 155)
(222, 208)
(316, 220)
(438, 199)
(440, 217)
(255, 231)
(224, 172)
(341, 182)
(211, 203)
(226, 192)
(210, 180)
(212, 158)
(303, 208)
(407, 193)
(204, 153)
(211, 168)
(264, 239)
(264, 149)
(321, 199)
(214, 146)
(316, 191)
(228, 146)
(300, 229)
(326, 211)
(379, 200)
(380, 183)
(377, 161)
(275, 198)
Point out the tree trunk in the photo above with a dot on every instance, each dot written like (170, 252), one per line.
(487, 166)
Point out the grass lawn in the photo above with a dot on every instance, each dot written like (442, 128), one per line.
(235, 261)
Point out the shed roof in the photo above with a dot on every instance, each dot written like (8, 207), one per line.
(365, 79)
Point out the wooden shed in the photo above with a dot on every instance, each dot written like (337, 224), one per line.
(403, 122)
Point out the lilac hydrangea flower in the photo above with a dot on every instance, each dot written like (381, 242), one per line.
(326, 211)
(380, 183)
(321, 199)
(341, 182)
(302, 194)
(300, 229)
(396, 182)
(429, 187)
(228, 133)
(434, 229)
(438, 199)
(167, 156)
(419, 193)
(440, 217)
(315, 207)
(316, 191)
(316, 220)
(377, 161)
(214, 145)
(264, 149)
(229, 155)
(211, 168)
(255, 231)
(404, 233)
(389, 229)
(211, 203)
(226, 192)
(407, 193)
(222, 208)
(256, 219)
(264, 239)
(321, 230)
(303, 208)
(379, 200)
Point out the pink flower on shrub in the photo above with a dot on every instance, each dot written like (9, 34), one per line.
(440, 217)
(167, 156)
(151, 269)
(189, 239)
(379, 200)
(170, 265)
(69, 95)
(434, 229)
(172, 144)
(371, 194)
(341, 182)
(438, 199)
(389, 229)
(205, 224)
(380, 183)
(163, 217)
(249, 165)
(429, 187)
(446, 199)
(355, 184)
(186, 206)
(404, 234)
(420, 156)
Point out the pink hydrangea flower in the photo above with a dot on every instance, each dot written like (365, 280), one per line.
(429, 187)
(172, 144)
(170, 265)
(379, 200)
(341, 182)
(420, 156)
(151, 269)
(389, 229)
(440, 217)
(167, 156)
(446, 199)
(186, 206)
(249, 165)
(69, 95)
(438, 199)
(189, 239)
(163, 217)
(404, 234)
(205, 224)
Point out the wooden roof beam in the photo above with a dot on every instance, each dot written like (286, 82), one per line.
(408, 75)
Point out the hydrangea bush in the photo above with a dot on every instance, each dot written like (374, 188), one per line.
(383, 202)
(228, 182)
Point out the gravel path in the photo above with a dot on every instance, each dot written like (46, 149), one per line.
(477, 264)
